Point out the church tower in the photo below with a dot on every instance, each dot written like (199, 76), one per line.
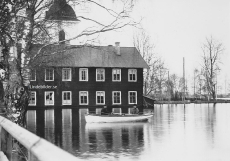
(62, 16)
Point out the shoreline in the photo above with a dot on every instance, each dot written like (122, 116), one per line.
(195, 102)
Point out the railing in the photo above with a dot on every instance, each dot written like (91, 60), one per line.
(40, 148)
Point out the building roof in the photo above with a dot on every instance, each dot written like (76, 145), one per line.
(88, 56)
(61, 11)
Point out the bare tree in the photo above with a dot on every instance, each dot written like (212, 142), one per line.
(174, 86)
(212, 51)
(153, 77)
(195, 75)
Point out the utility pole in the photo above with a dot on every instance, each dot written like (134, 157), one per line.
(194, 83)
(183, 99)
(168, 87)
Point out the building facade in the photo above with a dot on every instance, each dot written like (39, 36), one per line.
(89, 77)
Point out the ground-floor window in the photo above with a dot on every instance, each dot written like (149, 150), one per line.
(66, 98)
(100, 97)
(83, 98)
(132, 97)
(116, 95)
(49, 98)
(32, 98)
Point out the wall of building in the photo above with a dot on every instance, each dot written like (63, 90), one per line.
(91, 86)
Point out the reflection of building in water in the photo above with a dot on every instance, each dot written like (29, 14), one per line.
(115, 137)
(58, 126)
(40, 120)
(66, 129)
(49, 125)
(31, 121)
(75, 129)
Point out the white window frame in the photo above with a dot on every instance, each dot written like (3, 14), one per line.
(113, 97)
(132, 72)
(70, 74)
(35, 75)
(52, 98)
(99, 80)
(135, 97)
(87, 95)
(35, 98)
(80, 74)
(103, 99)
(116, 73)
(52, 76)
(70, 101)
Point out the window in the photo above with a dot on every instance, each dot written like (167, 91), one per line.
(116, 97)
(132, 97)
(33, 75)
(116, 74)
(66, 97)
(100, 97)
(32, 98)
(100, 75)
(132, 75)
(49, 98)
(66, 74)
(49, 75)
(83, 97)
(83, 74)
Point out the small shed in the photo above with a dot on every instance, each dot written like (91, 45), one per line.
(148, 102)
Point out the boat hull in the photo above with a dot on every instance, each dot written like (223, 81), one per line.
(117, 118)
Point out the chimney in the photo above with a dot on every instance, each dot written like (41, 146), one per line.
(117, 48)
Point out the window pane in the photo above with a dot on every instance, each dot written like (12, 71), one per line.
(83, 74)
(49, 98)
(49, 74)
(66, 74)
(116, 74)
(83, 98)
(32, 98)
(132, 74)
(100, 74)
(116, 97)
(132, 97)
(100, 97)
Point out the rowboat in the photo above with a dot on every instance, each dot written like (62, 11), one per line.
(114, 118)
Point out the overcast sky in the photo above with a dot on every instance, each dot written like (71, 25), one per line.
(178, 28)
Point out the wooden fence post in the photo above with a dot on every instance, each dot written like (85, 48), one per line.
(6, 143)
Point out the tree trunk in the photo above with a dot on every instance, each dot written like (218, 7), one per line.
(16, 95)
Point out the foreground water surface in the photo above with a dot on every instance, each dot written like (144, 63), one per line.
(194, 132)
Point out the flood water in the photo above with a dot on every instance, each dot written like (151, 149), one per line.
(194, 132)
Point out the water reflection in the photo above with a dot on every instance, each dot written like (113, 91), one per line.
(176, 132)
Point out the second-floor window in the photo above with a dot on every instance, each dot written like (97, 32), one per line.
(83, 98)
(33, 75)
(116, 97)
(100, 97)
(100, 75)
(49, 74)
(66, 74)
(116, 74)
(83, 74)
(132, 75)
